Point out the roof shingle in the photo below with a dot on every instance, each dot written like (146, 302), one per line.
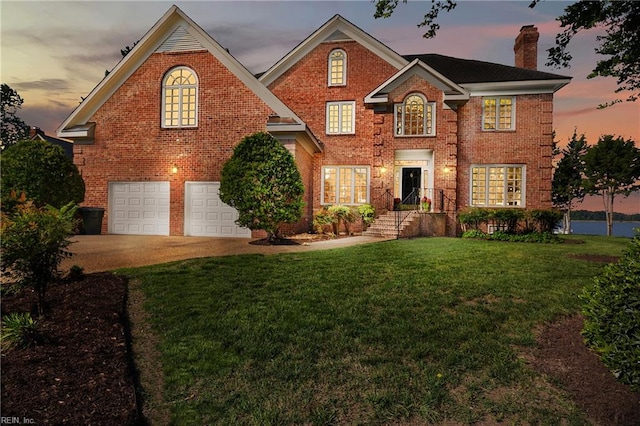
(462, 71)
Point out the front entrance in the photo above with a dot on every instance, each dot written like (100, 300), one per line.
(411, 185)
(413, 175)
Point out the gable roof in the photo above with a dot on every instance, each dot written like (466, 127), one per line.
(336, 28)
(173, 32)
(451, 90)
(472, 73)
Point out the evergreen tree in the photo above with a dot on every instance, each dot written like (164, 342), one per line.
(262, 182)
(567, 179)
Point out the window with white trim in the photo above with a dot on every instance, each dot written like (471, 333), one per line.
(498, 113)
(497, 185)
(180, 98)
(415, 117)
(345, 185)
(341, 118)
(337, 68)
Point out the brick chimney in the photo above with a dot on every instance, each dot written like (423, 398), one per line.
(526, 48)
(35, 131)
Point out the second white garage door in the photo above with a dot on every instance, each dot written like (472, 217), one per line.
(139, 208)
(207, 216)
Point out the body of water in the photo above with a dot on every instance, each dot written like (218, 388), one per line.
(590, 227)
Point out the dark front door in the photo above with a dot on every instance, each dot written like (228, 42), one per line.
(411, 178)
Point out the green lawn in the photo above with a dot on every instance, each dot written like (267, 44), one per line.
(408, 331)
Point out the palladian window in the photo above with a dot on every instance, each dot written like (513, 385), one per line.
(415, 117)
(180, 98)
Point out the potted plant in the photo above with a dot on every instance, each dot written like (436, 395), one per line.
(426, 204)
(396, 203)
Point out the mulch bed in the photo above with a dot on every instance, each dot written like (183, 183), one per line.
(562, 355)
(80, 375)
(83, 375)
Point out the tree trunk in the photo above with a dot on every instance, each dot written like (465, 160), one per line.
(607, 197)
(566, 225)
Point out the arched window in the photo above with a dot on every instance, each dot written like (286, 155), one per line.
(415, 117)
(180, 98)
(337, 68)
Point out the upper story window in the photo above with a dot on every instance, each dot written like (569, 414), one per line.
(498, 113)
(180, 98)
(341, 118)
(415, 117)
(497, 185)
(337, 68)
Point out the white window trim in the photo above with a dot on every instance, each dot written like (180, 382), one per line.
(426, 103)
(337, 195)
(353, 117)
(344, 68)
(523, 195)
(513, 113)
(164, 99)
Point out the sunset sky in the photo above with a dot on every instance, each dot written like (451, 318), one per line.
(54, 53)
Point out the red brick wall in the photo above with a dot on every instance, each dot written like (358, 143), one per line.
(529, 144)
(305, 90)
(130, 144)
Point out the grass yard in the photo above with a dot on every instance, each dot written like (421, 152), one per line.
(398, 332)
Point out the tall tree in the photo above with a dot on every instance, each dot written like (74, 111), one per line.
(620, 44)
(567, 185)
(262, 182)
(612, 167)
(12, 128)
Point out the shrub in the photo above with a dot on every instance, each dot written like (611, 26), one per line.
(611, 306)
(321, 220)
(474, 233)
(473, 217)
(261, 181)
(19, 330)
(75, 273)
(506, 219)
(367, 213)
(545, 220)
(34, 241)
(341, 215)
(43, 172)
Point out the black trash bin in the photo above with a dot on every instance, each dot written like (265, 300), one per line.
(92, 220)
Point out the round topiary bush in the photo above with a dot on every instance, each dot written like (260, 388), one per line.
(611, 306)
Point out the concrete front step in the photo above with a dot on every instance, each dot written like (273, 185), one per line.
(386, 225)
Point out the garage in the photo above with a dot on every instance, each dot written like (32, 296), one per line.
(207, 216)
(139, 208)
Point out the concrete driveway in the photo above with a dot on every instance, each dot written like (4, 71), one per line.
(97, 253)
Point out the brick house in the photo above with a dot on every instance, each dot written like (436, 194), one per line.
(364, 124)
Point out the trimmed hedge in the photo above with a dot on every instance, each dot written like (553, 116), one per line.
(511, 221)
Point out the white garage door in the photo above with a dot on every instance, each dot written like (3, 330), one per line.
(139, 208)
(206, 215)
